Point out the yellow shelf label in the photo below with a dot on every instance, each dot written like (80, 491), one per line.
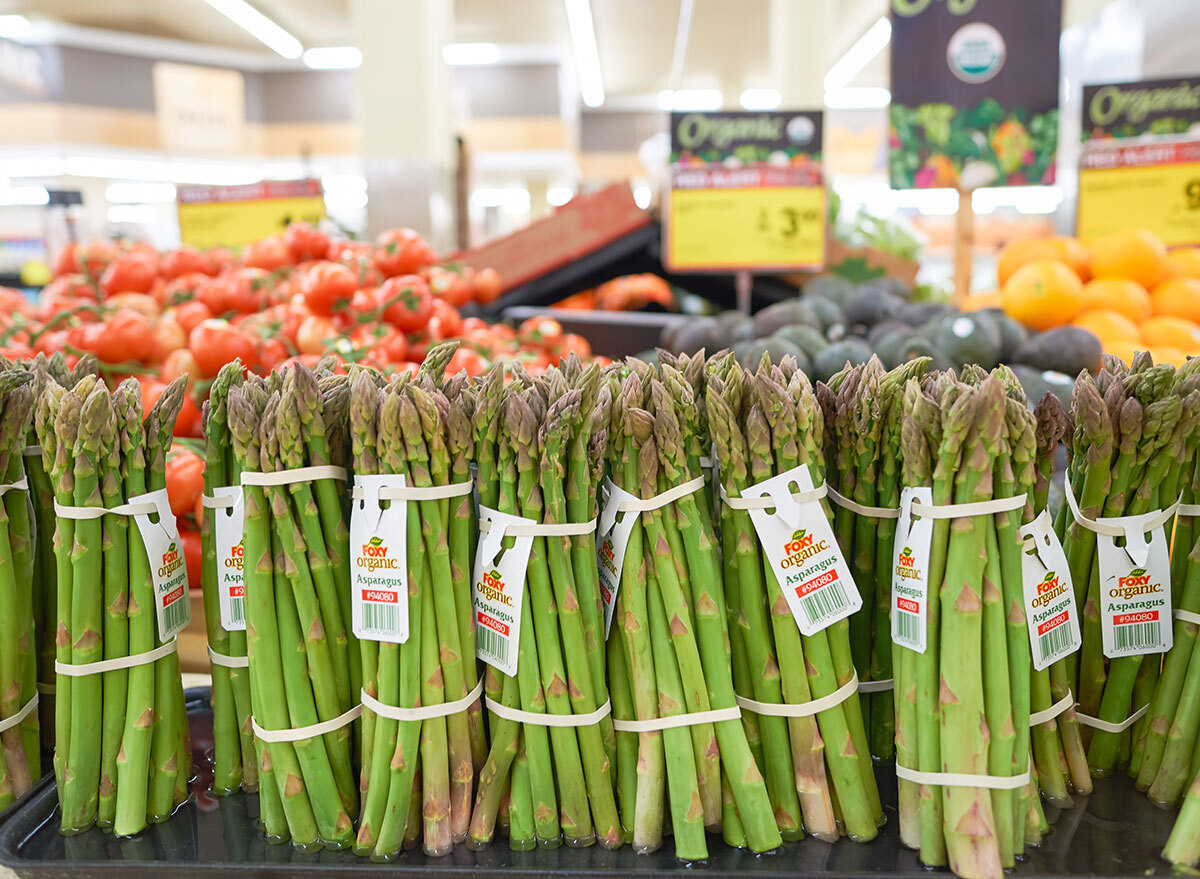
(233, 216)
(1151, 186)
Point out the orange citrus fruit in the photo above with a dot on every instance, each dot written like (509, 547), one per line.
(980, 301)
(1134, 254)
(1185, 262)
(1173, 332)
(1071, 252)
(1167, 354)
(1108, 325)
(1178, 297)
(1128, 297)
(1021, 252)
(1124, 348)
(1043, 294)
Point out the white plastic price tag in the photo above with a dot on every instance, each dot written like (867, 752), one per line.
(228, 525)
(611, 543)
(379, 561)
(168, 569)
(910, 571)
(1050, 609)
(499, 588)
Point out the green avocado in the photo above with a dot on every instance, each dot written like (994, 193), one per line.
(1066, 349)
(833, 358)
(968, 338)
(750, 353)
(688, 337)
(1037, 383)
(870, 305)
(1012, 334)
(831, 287)
(808, 340)
(784, 314)
(827, 311)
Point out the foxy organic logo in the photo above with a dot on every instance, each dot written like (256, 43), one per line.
(171, 561)
(1049, 590)
(802, 546)
(236, 555)
(800, 539)
(1136, 582)
(492, 586)
(906, 565)
(906, 557)
(374, 556)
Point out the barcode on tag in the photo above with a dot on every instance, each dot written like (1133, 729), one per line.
(494, 642)
(175, 614)
(822, 603)
(237, 611)
(908, 622)
(1138, 631)
(380, 617)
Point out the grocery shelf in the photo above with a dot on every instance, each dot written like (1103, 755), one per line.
(1114, 833)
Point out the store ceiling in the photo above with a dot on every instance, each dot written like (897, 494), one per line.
(727, 47)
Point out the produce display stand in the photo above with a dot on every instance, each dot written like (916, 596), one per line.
(1114, 833)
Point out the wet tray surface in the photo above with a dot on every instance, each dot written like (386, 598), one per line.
(1116, 832)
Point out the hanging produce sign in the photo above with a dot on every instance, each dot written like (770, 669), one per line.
(1154, 186)
(974, 93)
(1130, 109)
(232, 216)
(747, 192)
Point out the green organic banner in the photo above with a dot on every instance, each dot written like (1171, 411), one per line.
(1128, 109)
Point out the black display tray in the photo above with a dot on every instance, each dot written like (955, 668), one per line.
(1114, 833)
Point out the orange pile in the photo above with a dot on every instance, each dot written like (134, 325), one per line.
(1125, 289)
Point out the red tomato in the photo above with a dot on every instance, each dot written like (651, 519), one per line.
(151, 389)
(474, 323)
(446, 322)
(140, 302)
(383, 339)
(315, 334)
(124, 336)
(449, 286)
(186, 260)
(572, 343)
(192, 553)
(270, 354)
(418, 345)
(328, 287)
(91, 260)
(305, 242)
(17, 351)
(179, 363)
(221, 258)
(130, 273)
(49, 342)
(545, 331)
(402, 252)
(187, 423)
(215, 342)
(245, 290)
(267, 253)
(278, 320)
(468, 359)
(168, 337)
(309, 360)
(406, 302)
(190, 314)
(65, 292)
(184, 288)
(488, 286)
(185, 479)
(214, 293)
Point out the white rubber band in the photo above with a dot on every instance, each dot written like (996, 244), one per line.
(1187, 510)
(1105, 726)
(45, 689)
(646, 505)
(563, 529)
(802, 709)
(217, 503)
(1113, 530)
(695, 718)
(978, 508)
(21, 484)
(227, 661)
(120, 662)
(424, 712)
(1186, 615)
(300, 734)
(765, 503)
(412, 493)
(559, 720)
(961, 779)
(26, 710)
(289, 477)
(876, 686)
(1047, 715)
(32, 451)
(79, 513)
(863, 510)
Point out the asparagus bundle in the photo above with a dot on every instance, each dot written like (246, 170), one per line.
(122, 749)
(20, 745)
(670, 642)
(956, 714)
(421, 769)
(539, 446)
(235, 765)
(1133, 429)
(818, 768)
(862, 408)
(303, 665)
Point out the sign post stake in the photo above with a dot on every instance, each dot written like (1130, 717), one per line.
(743, 283)
(964, 245)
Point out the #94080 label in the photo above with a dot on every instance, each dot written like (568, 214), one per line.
(499, 589)
(379, 561)
(798, 541)
(1135, 589)
(228, 527)
(910, 571)
(168, 569)
(611, 543)
(1050, 609)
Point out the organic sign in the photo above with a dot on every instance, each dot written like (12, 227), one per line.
(974, 92)
(747, 192)
(231, 216)
(1128, 109)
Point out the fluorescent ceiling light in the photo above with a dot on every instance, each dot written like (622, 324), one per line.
(258, 26)
(333, 57)
(514, 199)
(761, 99)
(31, 166)
(139, 193)
(556, 196)
(865, 98)
(15, 27)
(932, 202)
(470, 54)
(859, 55)
(690, 99)
(1024, 199)
(343, 183)
(208, 173)
(24, 196)
(131, 213)
(587, 57)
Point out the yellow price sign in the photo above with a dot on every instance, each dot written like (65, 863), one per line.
(1149, 186)
(233, 216)
(758, 219)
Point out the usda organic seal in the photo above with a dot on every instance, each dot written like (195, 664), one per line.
(976, 52)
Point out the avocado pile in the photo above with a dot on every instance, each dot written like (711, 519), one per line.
(835, 321)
